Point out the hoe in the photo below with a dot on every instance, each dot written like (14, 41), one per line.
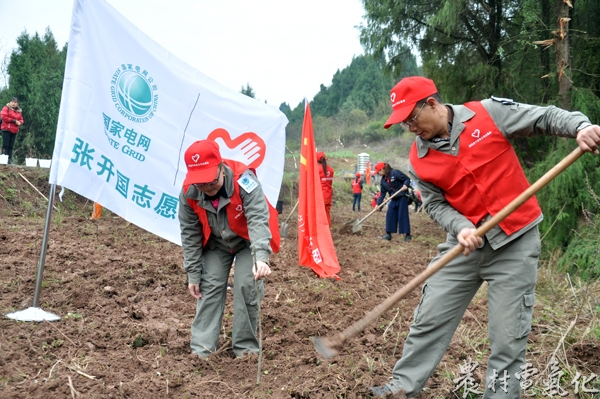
(329, 346)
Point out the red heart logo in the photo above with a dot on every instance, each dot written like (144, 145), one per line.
(248, 147)
(195, 157)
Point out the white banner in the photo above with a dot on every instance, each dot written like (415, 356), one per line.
(129, 110)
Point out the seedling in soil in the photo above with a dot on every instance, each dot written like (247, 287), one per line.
(370, 364)
(138, 342)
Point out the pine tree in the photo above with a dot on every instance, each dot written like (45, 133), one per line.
(36, 74)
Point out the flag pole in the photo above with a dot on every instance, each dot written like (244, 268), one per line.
(34, 313)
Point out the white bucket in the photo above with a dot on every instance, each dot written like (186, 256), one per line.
(31, 162)
(45, 163)
(3, 159)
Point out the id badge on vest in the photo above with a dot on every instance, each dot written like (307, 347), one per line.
(247, 182)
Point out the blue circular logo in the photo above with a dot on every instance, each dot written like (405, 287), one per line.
(134, 93)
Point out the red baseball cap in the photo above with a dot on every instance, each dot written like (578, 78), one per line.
(202, 159)
(379, 166)
(406, 94)
(357, 174)
(320, 155)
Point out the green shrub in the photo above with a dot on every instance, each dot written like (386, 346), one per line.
(582, 256)
(564, 198)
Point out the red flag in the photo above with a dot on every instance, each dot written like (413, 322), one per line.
(315, 245)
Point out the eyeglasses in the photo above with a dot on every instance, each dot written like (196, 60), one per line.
(212, 183)
(413, 120)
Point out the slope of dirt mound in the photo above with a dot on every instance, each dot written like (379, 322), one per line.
(126, 312)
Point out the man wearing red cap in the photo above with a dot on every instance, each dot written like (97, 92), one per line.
(357, 187)
(224, 215)
(326, 175)
(395, 183)
(467, 171)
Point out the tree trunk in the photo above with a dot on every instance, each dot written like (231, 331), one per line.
(545, 56)
(495, 29)
(562, 48)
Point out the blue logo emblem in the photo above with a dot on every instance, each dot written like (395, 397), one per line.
(134, 93)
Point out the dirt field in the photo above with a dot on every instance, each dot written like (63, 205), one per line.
(126, 312)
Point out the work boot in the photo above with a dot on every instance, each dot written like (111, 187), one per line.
(386, 236)
(407, 238)
(385, 392)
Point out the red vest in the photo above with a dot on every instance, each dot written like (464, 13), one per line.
(326, 183)
(484, 177)
(235, 211)
(356, 189)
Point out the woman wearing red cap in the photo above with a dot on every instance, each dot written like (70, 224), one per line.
(326, 175)
(224, 215)
(357, 187)
(396, 218)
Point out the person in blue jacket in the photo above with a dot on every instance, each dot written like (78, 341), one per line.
(396, 218)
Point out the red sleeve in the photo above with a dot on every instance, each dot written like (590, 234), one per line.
(5, 117)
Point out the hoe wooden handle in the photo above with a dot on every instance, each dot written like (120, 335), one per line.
(388, 199)
(292, 212)
(338, 339)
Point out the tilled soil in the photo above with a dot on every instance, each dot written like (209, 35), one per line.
(126, 312)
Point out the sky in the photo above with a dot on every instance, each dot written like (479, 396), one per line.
(284, 49)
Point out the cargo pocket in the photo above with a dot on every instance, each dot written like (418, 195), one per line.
(255, 293)
(525, 314)
(417, 315)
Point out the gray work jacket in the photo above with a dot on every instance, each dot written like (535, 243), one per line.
(513, 120)
(255, 209)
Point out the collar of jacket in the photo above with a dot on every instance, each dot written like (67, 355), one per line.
(14, 109)
(461, 115)
(195, 194)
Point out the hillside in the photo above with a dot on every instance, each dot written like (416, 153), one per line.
(126, 312)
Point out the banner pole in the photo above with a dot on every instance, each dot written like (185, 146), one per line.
(40, 269)
(34, 313)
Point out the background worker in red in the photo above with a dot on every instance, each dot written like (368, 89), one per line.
(12, 120)
(368, 173)
(326, 176)
(224, 215)
(467, 171)
(396, 217)
(357, 187)
(374, 200)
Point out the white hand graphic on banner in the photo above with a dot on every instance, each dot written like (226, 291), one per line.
(247, 148)
(247, 151)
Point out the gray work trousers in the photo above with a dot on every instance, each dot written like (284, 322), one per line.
(209, 309)
(511, 274)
